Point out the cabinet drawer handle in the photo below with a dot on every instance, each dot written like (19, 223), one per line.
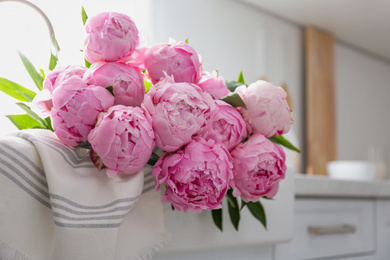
(343, 229)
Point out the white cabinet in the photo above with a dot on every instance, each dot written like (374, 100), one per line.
(329, 228)
(383, 229)
(338, 220)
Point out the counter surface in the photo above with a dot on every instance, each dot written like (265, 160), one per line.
(324, 186)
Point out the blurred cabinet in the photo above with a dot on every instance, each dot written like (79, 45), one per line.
(329, 228)
(383, 229)
(323, 228)
(334, 228)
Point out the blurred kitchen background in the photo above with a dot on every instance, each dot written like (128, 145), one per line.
(262, 38)
(335, 51)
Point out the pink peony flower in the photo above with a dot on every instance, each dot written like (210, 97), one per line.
(76, 106)
(225, 126)
(127, 81)
(176, 59)
(178, 110)
(110, 37)
(42, 102)
(196, 177)
(214, 85)
(258, 166)
(123, 138)
(267, 110)
(60, 74)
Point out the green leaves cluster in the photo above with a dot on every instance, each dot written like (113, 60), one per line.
(25, 95)
(234, 209)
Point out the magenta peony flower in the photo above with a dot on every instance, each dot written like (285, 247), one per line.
(196, 177)
(267, 110)
(176, 59)
(127, 81)
(110, 37)
(76, 106)
(214, 85)
(124, 139)
(258, 166)
(225, 126)
(178, 110)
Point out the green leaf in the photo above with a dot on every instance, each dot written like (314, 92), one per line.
(42, 73)
(147, 85)
(153, 159)
(85, 145)
(48, 123)
(28, 110)
(87, 63)
(24, 121)
(232, 85)
(111, 89)
(36, 77)
(243, 204)
(186, 41)
(84, 15)
(258, 212)
(234, 100)
(217, 218)
(241, 79)
(284, 142)
(234, 210)
(16, 91)
(53, 61)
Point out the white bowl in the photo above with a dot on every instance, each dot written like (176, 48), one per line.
(352, 170)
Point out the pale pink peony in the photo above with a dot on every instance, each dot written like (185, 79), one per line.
(267, 110)
(127, 81)
(214, 85)
(258, 166)
(177, 59)
(76, 106)
(178, 110)
(60, 74)
(123, 139)
(196, 177)
(110, 37)
(42, 102)
(226, 126)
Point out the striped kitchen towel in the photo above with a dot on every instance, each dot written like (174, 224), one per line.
(54, 204)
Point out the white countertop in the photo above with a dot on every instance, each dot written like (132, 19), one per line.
(324, 186)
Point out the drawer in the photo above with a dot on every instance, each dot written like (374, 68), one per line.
(330, 228)
(383, 229)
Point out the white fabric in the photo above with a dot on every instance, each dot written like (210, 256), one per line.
(54, 204)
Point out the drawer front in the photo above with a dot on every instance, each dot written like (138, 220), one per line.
(383, 229)
(330, 228)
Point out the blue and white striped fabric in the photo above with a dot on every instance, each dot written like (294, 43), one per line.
(54, 204)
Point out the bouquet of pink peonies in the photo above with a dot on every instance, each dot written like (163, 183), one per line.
(206, 139)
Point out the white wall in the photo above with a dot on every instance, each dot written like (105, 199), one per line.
(363, 103)
(232, 36)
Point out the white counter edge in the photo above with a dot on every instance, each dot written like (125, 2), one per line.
(324, 186)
